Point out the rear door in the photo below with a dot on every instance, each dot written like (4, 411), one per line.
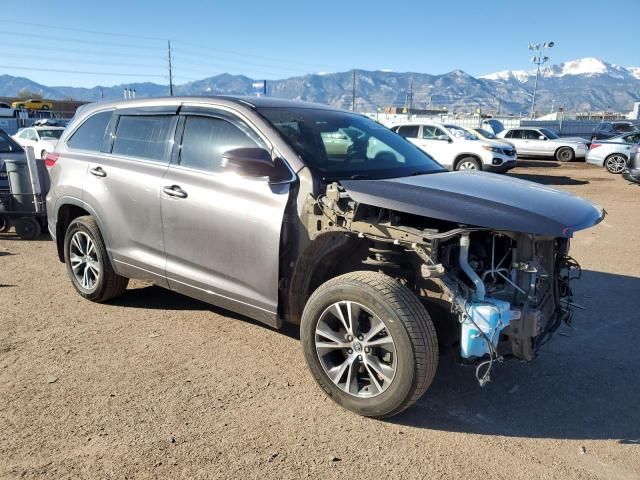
(221, 230)
(515, 138)
(124, 185)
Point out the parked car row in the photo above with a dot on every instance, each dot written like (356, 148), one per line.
(613, 153)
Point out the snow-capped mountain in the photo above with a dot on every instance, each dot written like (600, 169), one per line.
(588, 67)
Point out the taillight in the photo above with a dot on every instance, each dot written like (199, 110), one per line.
(595, 145)
(51, 159)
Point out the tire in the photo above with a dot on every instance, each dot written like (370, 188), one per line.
(97, 287)
(565, 154)
(27, 228)
(412, 353)
(615, 163)
(468, 163)
(5, 224)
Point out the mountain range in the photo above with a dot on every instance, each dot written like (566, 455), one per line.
(578, 85)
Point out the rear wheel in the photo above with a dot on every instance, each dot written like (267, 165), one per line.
(565, 154)
(87, 262)
(468, 163)
(369, 343)
(615, 163)
(27, 228)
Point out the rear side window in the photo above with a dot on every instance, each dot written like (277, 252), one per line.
(205, 139)
(143, 136)
(623, 127)
(90, 135)
(408, 131)
(514, 134)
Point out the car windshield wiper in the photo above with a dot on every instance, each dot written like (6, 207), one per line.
(422, 172)
(359, 176)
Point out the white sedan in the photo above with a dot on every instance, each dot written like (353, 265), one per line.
(42, 139)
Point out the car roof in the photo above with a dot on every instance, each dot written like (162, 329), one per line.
(254, 102)
(47, 127)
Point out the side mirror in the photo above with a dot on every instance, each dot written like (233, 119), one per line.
(542, 137)
(443, 137)
(248, 162)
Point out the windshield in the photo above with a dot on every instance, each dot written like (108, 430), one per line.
(50, 134)
(340, 145)
(485, 133)
(460, 132)
(7, 144)
(548, 133)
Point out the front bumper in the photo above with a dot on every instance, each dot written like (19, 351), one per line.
(498, 162)
(502, 168)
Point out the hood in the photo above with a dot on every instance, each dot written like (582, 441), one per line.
(481, 199)
(570, 139)
(498, 143)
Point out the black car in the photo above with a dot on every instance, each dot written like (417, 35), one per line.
(632, 173)
(606, 130)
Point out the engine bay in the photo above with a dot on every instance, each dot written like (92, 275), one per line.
(506, 292)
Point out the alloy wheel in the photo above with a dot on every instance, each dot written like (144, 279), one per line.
(356, 349)
(84, 260)
(616, 164)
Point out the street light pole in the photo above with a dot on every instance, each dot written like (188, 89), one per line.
(538, 58)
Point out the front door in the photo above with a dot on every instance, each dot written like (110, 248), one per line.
(221, 230)
(437, 143)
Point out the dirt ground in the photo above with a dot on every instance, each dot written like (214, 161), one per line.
(156, 385)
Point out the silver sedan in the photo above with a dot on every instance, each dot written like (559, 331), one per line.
(542, 142)
(613, 153)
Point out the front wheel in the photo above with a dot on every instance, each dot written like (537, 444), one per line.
(369, 343)
(615, 163)
(565, 154)
(468, 163)
(87, 262)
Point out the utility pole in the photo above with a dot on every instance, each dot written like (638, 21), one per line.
(353, 92)
(170, 69)
(538, 58)
(410, 96)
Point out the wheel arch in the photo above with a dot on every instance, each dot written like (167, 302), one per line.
(67, 210)
(320, 261)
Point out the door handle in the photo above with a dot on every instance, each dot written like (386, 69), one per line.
(98, 172)
(174, 191)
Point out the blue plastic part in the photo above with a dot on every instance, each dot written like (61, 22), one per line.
(489, 316)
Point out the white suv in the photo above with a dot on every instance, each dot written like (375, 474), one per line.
(457, 148)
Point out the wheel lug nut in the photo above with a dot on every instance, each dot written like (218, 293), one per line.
(349, 338)
(359, 357)
(367, 349)
(349, 351)
(360, 337)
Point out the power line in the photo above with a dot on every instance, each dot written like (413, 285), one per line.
(74, 29)
(79, 72)
(72, 40)
(102, 62)
(82, 52)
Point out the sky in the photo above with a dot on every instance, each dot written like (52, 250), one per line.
(87, 43)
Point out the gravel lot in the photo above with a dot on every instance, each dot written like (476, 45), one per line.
(156, 385)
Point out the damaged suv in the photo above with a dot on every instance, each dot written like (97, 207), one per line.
(291, 212)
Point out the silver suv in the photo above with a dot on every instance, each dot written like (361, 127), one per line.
(286, 211)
